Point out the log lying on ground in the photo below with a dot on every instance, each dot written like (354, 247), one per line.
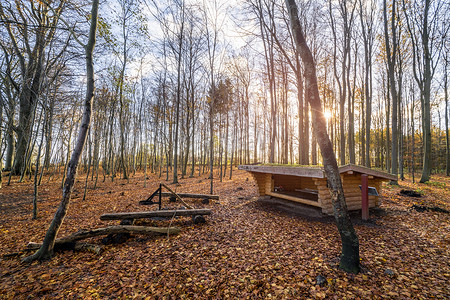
(69, 246)
(194, 196)
(84, 234)
(97, 249)
(155, 213)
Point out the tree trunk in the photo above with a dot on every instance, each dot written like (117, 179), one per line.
(121, 83)
(226, 140)
(46, 249)
(9, 147)
(391, 75)
(177, 110)
(211, 143)
(351, 108)
(27, 101)
(388, 113)
(447, 143)
(349, 261)
(412, 142)
(400, 140)
(193, 143)
(299, 85)
(426, 107)
(88, 164)
(49, 131)
(36, 173)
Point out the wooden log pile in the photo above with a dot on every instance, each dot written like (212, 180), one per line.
(123, 231)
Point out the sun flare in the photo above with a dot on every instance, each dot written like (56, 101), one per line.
(327, 115)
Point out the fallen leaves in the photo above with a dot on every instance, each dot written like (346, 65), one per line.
(247, 249)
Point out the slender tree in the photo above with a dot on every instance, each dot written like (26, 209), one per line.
(447, 138)
(391, 53)
(350, 245)
(367, 13)
(422, 19)
(46, 250)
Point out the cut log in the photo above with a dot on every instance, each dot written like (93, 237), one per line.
(197, 219)
(154, 213)
(194, 196)
(84, 234)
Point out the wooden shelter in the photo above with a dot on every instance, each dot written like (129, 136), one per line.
(308, 185)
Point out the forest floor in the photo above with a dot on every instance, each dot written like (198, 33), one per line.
(247, 248)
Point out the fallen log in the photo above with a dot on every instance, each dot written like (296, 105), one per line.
(154, 213)
(194, 196)
(69, 246)
(13, 254)
(84, 234)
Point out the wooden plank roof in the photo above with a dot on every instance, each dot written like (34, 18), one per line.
(314, 171)
(368, 171)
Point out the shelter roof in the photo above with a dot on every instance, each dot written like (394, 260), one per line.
(314, 171)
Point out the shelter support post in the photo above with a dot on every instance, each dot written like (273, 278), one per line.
(365, 197)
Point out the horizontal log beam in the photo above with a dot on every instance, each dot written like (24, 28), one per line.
(188, 195)
(295, 199)
(154, 213)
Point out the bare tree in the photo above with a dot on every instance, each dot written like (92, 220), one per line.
(342, 78)
(426, 47)
(30, 50)
(46, 250)
(367, 18)
(212, 30)
(447, 140)
(391, 53)
(350, 245)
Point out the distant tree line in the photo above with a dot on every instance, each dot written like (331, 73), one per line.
(186, 88)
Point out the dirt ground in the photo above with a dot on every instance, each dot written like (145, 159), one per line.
(247, 249)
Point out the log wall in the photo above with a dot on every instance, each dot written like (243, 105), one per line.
(264, 182)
